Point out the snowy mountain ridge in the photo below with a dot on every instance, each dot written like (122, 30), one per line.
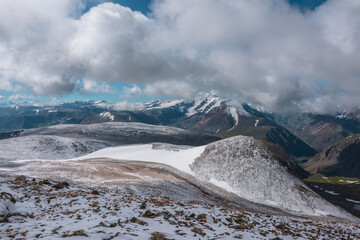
(201, 104)
(302, 135)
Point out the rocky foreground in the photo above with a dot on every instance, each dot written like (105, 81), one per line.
(46, 209)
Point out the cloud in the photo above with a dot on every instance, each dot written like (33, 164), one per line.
(19, 97)
(91, 86)
(1, 98)
(134, 90)
(178, 89)
(267, 52)
(130, 106)
(33, 36)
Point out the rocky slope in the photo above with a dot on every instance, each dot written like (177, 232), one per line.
(320, 131)
(138, 212)
(246, 167)
(292, 144)
(339, 159)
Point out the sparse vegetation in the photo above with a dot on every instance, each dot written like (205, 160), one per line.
(334, 180)
(70, 215)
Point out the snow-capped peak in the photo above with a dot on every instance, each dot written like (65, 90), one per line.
(100, 101)
(160, 104)
(205, 105)
(107, 115)
(342, 115)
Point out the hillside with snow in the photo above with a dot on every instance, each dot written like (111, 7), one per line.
(46, 147)
(236, 187)
(240, 165)
(75, 211)
(246, 167)
(69, 141)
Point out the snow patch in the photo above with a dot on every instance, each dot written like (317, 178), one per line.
(239, 107)
(179, 158)
(233, 113)
(332, 193)
(107, 115)
(351, 200)
(343, 115)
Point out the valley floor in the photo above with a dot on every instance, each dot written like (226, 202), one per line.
(49, 209)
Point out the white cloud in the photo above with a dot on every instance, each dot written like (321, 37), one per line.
(91, 86)
(130, 106)
(33, 36)
(19, 97)
(266, 51)
(178, 89)
(134, 90)
(247, 43)
(2, 98)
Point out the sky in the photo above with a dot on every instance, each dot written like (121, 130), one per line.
(295, 55)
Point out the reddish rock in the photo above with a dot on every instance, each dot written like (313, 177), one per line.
(58, 186)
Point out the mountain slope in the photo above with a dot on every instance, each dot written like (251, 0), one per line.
(340, 159)
(47, 147)
(321, 130)
(125, 133)
(290, 142)
(248, 169)
(240, 165)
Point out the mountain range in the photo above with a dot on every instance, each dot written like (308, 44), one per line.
(207, 155)
(302, 135)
